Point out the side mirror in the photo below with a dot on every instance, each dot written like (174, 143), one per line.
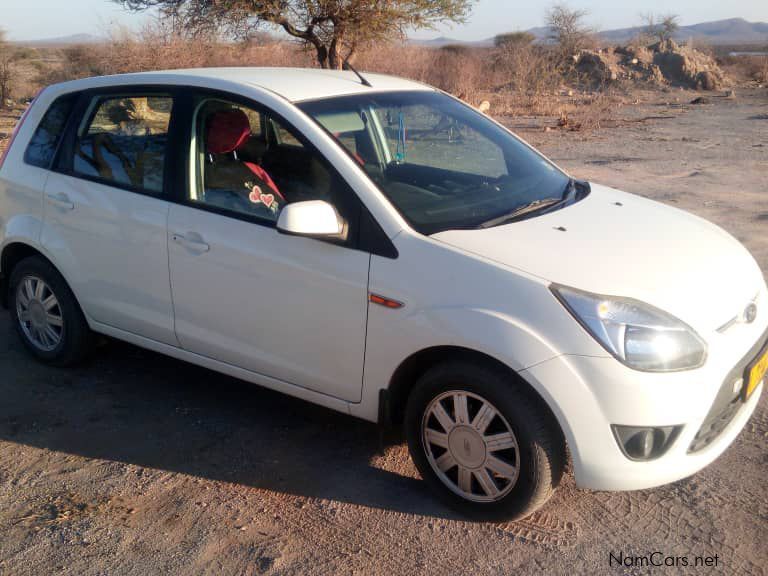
(313, 218)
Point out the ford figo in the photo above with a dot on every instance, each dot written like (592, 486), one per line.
(379, 247)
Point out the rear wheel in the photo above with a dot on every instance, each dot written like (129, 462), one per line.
(483, 441)
(46, 314)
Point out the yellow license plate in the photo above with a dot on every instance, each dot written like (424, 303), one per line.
(756, 374)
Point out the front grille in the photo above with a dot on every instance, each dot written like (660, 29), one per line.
(727, 403)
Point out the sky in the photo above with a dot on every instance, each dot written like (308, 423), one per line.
(39, 19)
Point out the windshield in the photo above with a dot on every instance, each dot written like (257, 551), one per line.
(443, 165)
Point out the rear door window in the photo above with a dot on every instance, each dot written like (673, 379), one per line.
(42, 147)
(123, 140)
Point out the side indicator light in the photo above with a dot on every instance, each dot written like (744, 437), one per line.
(386, 302)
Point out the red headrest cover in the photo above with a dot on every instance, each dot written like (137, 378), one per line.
(227, 131)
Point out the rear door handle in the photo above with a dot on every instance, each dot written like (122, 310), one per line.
(192, 241)
(61, 201)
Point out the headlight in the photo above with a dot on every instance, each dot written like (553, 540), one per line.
(637, 334)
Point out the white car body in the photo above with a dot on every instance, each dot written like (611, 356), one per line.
(132, 263)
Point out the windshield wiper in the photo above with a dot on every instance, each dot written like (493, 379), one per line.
(533, 206)
(520, 211)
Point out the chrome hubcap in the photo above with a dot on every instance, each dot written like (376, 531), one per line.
(39, 313)
(470, 446)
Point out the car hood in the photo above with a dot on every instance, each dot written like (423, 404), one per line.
(618, 244)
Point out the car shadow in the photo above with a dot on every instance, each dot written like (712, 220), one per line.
(134, 406)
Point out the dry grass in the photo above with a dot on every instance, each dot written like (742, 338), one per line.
(151, 51)
(746, 68)
(520, 80)
(517, 79)
(8, 119)
(461, 71)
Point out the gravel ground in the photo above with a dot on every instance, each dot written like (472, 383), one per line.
(139, 464)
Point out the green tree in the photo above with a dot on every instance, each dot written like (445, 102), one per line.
(333, 28)
(513, 40)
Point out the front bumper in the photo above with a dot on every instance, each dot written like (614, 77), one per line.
(590, 394)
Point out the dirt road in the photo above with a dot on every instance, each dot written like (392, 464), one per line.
(139, 464)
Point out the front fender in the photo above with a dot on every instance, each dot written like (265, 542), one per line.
(395, 336)
(455, 299)
(501, 336)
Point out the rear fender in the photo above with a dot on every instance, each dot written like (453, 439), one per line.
(22, 229)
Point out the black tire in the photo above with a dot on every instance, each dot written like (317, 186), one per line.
(540, 444)
(76, 338)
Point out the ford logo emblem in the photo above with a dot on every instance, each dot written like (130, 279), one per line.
(750, 313)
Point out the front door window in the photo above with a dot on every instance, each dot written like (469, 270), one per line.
(250, 164)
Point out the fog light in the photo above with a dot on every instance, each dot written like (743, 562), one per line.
(644, 443)
(640, 444)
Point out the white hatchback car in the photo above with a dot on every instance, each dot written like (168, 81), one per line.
(378, 247)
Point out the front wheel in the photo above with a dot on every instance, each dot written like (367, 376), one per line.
(483, 441)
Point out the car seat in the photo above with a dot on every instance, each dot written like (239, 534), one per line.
(227, 132)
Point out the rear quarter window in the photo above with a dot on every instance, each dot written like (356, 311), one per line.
(42, 147)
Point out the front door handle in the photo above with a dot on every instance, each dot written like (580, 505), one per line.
(61, 201)
(192, 241)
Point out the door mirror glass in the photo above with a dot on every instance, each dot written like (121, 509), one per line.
(315, 218)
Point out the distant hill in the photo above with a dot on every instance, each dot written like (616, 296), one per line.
(444, 41)
(61, 41)
(731, 31)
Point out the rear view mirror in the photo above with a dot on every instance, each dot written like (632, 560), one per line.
(314, 218)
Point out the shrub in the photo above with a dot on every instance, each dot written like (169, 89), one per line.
(746, 67)
(516, 76)
(513, 40)
(569, 32)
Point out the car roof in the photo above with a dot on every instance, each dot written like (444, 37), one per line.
(294, 84)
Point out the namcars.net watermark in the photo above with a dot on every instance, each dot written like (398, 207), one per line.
(661, 560)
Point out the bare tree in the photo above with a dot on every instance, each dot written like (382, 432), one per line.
(335, 29)
(668, 26)
(568, 30)
(662, 28)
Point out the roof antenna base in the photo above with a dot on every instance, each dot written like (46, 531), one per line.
(347, 66)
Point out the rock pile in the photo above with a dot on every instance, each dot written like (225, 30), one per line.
(661, 63)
